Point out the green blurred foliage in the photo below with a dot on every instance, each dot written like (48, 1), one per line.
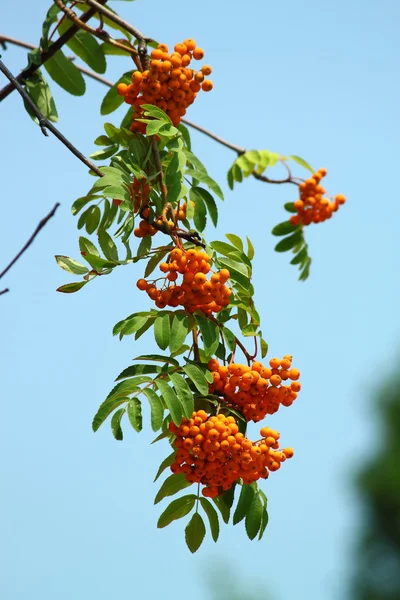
(377, 574)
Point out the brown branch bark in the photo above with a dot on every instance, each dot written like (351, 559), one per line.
(46, 124)
(40, 226)
(26, 73)
(238, 149)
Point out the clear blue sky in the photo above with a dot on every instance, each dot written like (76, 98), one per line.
(320, 80)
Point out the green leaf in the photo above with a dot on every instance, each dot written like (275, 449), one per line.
(162, 331)
(212, 517)
(195, 532)
(200, 211)
(250, 249)
(176, 510)
(264, 518)
(245, 499)
(289, 206)
(210, 334)
(108, 246)
(128, 386)
(158, 358)
(302, 162)
(137, 370)
(84, 45)
(264, 348)
(93, 216)
(185, 134)
(173, 484)
(153, 262)
(70, 288)
(179, 331)
(131, 324)
(81, 202)
(184, 394)
(222, 507)
(289, 242)
(116, 424)
(105, 409)
(235, 240)
(306, 270)
(86, 247)
(51, 17)
(197, 164)
(206, 179)
(112, 100)
(105, 153)
(156, 408)
(171, 400)
(167, 462)
(253, 517)
(153, 111)
(65, 73)
(209, 202)
(70, 265)
(229, 495)
(134, 410)
(39, 91)
(300, 257)
(197, 376)
(284, 228)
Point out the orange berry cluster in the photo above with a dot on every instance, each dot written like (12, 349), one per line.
(168, 83)
(196, 292)
(212, 451)
(256, 390)
(146, 228)
(312, 207)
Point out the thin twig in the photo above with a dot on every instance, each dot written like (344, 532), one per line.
(40, 226)
(26, 73)
(238, 149)
(46, 124)
(229, 145)
(102, 35)
(117, 19)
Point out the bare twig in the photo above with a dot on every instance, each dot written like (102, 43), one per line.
(238, 149)
(103, 35)
(46, 124)
(229, 145)
(26, 73)
(118, 20)
(40, 226)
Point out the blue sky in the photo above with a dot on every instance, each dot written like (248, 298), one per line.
(77, 516)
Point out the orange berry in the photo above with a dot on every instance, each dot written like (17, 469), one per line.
(142, 284)
(180, 49)
(207, 85)
(122, 89)
(198, 53)
(206, 70)
(190, 44)
(294, 374)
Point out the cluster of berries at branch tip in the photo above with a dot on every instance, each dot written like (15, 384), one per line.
(257, 390)
(168, 83)
(312, 207)
(212, 451)
(196, 292)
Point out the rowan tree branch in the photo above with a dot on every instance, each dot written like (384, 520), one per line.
(102, 35)
(40, 226)
(45, 55)
(118, 20)
(46, 124)
(238, 149)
